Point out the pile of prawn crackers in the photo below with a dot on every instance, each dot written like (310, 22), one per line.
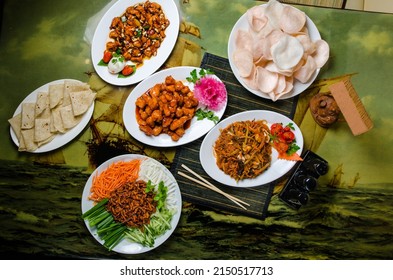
(277, 50)
(54, 112)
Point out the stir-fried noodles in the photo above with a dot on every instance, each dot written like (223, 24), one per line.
(243, 150)
(131, 205)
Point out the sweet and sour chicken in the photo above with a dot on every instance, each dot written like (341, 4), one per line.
(166, 108)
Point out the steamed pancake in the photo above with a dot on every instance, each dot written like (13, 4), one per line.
(42, 130)
(81, 101)
(15, 123)
(68, 118)
(28, 115)
(56, 93)
(52, 113)
(42, 103)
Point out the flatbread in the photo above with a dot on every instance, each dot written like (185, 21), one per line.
(22, 145)
(42, 130)
(56, 121)
(68, 118)
(42, 103)
(46, 141)
(28, 115)
(81, 101)
(45, 114)
(71, 86)
(56, 93)
(28, 140)
(41, 121)
(15, 123)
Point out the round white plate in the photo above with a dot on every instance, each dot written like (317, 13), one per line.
(101, 36)
(297, 86)
(174, 199)
(278, 167)
(197, 128)
(60, 139)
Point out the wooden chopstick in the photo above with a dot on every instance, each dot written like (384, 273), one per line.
(202, 181)
(211, 185)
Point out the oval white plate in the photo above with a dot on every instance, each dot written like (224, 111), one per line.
(278, 167)
(297, 86)
(60, 139)
(196, 129)
(126, 246)
(149, 66)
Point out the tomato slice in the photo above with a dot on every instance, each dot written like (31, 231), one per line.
(283, 140)
(276, 129)
(107, 56)
(287, 136)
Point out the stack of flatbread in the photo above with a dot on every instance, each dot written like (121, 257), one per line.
(54, 112)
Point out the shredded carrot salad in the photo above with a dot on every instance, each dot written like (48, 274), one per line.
(116, 175)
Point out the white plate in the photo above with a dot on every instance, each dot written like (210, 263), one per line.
(101, 36)
(196, 129)
(297, 86)
(60, 139)
(278, 167)
(126, 246)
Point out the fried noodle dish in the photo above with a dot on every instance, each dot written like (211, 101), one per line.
(131, 205)
(243, 150)
(166, 108)
(139, 32)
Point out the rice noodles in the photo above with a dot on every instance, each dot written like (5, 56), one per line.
(243, 150)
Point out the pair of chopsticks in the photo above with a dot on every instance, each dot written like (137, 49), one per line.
(203, 182)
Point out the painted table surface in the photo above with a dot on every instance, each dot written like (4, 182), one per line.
(40, 194)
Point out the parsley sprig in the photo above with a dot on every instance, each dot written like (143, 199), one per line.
(202, 114)
(196, 76)
(293, 148)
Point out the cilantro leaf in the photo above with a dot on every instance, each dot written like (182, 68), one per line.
(203, 72)
(102, 63)
(293, 148)
(196, 76)
(201, 114)
(290, 125)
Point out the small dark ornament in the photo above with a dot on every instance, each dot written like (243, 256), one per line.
(324, 109)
